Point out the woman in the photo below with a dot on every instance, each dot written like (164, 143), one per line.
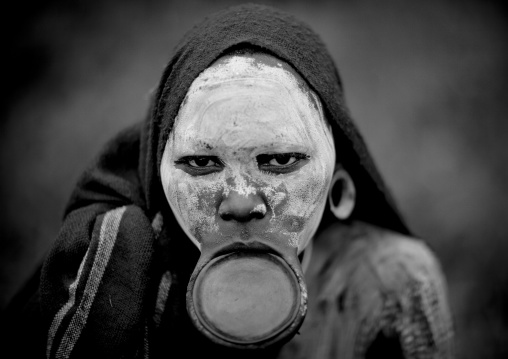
(245, 209)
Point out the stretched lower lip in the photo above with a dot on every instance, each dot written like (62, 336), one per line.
(251, 246)
(247, 294)
(247, 298)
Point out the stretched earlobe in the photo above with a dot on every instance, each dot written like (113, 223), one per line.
(342, 194)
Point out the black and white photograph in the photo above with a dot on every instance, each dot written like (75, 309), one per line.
(274, 179)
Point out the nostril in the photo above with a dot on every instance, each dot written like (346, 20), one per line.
(242, 208)
(259, 211)
(225, 215)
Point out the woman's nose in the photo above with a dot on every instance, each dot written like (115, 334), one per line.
(242, 208)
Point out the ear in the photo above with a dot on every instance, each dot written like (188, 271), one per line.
(342, 194)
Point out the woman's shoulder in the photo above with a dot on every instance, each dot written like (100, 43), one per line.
(376, 287)
(365, 251)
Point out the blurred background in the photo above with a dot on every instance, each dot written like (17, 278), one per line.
(426, 82)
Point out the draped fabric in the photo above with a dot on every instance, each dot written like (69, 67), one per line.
(114, 282)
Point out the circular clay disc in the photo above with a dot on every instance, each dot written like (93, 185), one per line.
(245, 298)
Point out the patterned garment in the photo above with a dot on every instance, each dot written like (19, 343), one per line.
(373, 293)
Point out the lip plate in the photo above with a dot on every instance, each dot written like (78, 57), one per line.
(224, 327)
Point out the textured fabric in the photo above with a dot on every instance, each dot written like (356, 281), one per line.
(114, 283)
(373, 294)
(162, 297)
(107, 238)
(102, 311)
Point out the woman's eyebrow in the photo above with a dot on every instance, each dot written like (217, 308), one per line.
(252, 144)
(196, 143)
(205, 144)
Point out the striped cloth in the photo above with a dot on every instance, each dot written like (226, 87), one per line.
(105, 282)
(100, 307)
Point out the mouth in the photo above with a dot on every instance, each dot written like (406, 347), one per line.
(252, 246)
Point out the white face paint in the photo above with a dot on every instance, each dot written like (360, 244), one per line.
(251, 129)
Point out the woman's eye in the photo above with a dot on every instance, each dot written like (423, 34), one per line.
(199, 165)
(281, 162)
(202, 162)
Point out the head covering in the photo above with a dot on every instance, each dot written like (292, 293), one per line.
(276, 33)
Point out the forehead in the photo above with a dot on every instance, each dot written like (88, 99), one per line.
(256, 63)
(246, 99)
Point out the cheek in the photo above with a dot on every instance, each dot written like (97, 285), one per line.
(306, 192)
(196, 201)
(297, 202)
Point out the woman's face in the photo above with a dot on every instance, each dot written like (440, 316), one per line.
(250, 155)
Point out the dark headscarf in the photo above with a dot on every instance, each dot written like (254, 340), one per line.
(287, 38)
